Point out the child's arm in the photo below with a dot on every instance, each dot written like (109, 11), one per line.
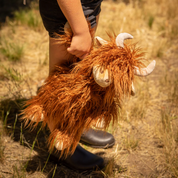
(81, 41)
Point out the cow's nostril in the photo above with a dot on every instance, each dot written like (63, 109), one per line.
(107, 80)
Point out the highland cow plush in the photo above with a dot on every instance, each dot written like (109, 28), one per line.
(86, 92)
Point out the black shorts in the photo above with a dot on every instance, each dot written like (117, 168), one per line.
(54, 20)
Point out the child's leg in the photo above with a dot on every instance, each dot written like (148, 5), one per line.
(57, 54)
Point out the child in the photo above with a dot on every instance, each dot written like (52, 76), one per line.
(55, 13)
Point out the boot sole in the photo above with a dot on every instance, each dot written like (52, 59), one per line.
(98, 146)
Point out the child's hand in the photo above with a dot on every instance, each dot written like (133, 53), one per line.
(80, 45)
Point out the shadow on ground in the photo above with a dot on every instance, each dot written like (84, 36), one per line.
(37, 140)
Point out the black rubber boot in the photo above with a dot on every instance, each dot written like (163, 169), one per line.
(97, 139)
(82, 160)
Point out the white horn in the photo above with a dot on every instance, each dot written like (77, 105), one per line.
(100, 41)
(145, 71)
(121, 37)
(101, 76)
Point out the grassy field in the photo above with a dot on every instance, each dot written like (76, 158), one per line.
(146, 134)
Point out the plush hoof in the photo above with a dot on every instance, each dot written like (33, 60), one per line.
(97, 139)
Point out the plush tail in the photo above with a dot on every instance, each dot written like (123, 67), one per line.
(33, 112)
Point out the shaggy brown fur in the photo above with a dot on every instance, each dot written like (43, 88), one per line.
(71, 101)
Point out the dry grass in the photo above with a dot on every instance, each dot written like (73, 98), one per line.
(146, 135)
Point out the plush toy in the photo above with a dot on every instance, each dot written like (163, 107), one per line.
(86, 92)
